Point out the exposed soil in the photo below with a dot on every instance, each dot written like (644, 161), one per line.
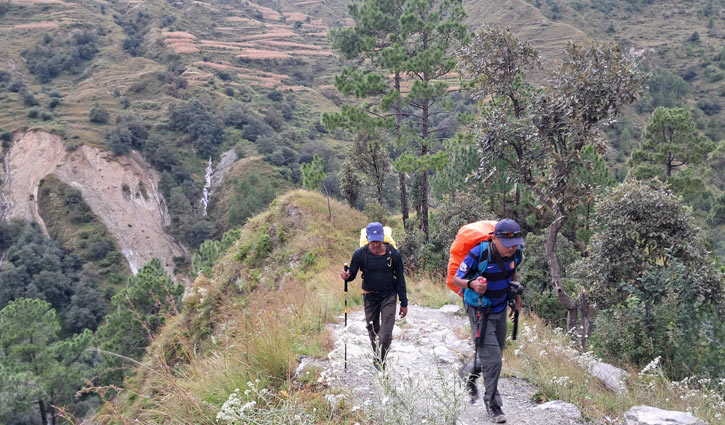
(121, 191)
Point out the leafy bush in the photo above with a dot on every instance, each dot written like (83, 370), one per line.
(195, 119)
(250, 196)
(665, 318)
(28, 98)
(237, 114)
(709, 106)
(98, 114)
(48, 60)
(650, 272)
(128, 133)
(536, 277)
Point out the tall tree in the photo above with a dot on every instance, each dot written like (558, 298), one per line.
(139, 312)
(404, 51)
(671, 142)
(543, 132)
(34, 358)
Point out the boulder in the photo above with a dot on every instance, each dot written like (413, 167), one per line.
(646, 415)
(612, 377)
(450, 308)
(565, 409)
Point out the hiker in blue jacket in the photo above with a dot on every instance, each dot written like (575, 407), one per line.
(485, 301)
(382, 284)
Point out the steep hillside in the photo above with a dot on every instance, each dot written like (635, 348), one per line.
(265, 304)
(685, 38)
(121, 191)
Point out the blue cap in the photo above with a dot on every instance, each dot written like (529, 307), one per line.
(509, 233)
(375, 232)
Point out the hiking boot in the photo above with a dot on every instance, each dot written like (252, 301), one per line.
(496, 414)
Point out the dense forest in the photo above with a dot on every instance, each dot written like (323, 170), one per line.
(610, 154)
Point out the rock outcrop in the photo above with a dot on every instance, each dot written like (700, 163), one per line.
(122, 191)
(646, 415)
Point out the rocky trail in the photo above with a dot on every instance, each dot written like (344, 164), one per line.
(420, 383)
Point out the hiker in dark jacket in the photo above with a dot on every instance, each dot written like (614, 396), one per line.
(500, 274)
(382, 284)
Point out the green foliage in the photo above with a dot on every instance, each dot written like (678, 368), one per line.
(48, 60)
(209, 253)
(37, 267)
(666, 89)
(37, 366)
(642, 228)
(461, 164)
(186, 222)
(128, 133)
(664, 316)
(250, 196)
(432, 256)
(671, 143)
(313, 173)
(411, 40)
(98, 114)
(138, 313)
(350, 182)
(536, 278)
(197, 120)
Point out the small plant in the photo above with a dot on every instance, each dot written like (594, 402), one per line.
(258, 405)
(33, 113)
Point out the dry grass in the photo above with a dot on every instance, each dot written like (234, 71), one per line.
(289, 44)
(256, 335)
(296, 16)
(45, 25)
(272, 34)
(178, 34)
(548, 358)
(263, 54)
(267, 13)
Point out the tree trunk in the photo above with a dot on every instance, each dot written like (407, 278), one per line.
(43, 413)
(401, 176)
(424, 179)
(555, 270)
(403, 199)
(586, 319)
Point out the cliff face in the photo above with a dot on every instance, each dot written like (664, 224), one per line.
(122, 191)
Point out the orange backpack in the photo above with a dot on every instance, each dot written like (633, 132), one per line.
(468, 236)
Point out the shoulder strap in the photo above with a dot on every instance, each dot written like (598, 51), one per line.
(483, 263)
(364, 260)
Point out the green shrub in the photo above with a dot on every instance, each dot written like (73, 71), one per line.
(33, 113)
(98, 115)
(670, 322)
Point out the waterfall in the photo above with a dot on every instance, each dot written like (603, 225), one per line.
(5, 203)
(207, 185)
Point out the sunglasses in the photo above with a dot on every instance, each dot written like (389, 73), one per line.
(509, 235)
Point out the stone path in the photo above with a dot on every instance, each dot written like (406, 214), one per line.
(420, 383)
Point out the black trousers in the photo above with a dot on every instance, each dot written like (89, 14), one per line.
(379, 321)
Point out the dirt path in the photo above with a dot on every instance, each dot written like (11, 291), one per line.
(428, 348)
(121, 191)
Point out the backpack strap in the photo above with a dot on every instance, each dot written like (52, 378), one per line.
(389, 250)
(482, 264)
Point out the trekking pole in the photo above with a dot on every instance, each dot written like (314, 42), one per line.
(346, 269)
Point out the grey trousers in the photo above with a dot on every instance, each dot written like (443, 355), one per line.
(379, 321)
(490, 350)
